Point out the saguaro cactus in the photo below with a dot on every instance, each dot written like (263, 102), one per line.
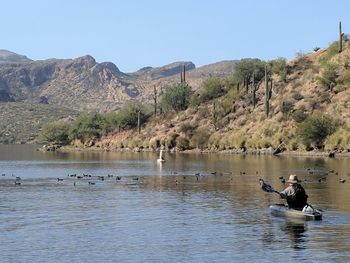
(138, 122)
(155, 100)
(184, 71)
(268, 93)
(215, 117)
(183, 74)
(340, 39)
(255, 87)
(254, 90)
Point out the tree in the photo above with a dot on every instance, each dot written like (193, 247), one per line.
(279, 67)
(88, 125)
(55, 133)
(316, 128)
(212, 88)
(176, 97)
(128, 116)
(246, 68)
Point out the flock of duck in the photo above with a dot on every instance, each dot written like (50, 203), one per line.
(92, 179)
(322, 179)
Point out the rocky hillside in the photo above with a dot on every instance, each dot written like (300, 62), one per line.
(313, 83)
(82, 84)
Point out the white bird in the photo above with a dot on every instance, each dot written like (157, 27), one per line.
(160, 159)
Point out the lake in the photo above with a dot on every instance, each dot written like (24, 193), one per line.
(125, 207)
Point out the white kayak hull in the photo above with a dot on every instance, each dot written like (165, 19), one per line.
(283, 211)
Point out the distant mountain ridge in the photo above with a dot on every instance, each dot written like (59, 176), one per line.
(84, 84)
(80, 84)
(7, 56)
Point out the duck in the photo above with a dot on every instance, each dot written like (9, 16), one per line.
(161, 158)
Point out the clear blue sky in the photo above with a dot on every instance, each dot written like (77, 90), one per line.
(138, 33)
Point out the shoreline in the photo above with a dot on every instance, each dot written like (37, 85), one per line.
(268, 151)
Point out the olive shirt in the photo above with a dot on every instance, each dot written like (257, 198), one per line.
(289, 191)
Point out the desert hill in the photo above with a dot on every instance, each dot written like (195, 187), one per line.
(82, 84)
(314, 90)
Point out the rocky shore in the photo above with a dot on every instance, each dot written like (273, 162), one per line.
(264, 151)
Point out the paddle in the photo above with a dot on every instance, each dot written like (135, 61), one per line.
(266, 187)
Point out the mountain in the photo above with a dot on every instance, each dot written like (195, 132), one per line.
(8, 57)
(82, 84)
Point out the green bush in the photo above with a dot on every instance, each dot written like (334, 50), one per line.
(187, 128)
(328, 78)
(246, 68)
(332, 50)
(200, 138)
(287, 107)
(299, 115)
(182, 143)
(279, 67)
(316, 128)
(127, 117)
(212, 88)
(170, 140)
(340, 140)
(176, 97)
(55, 133)
(345, 78)
(88, 125)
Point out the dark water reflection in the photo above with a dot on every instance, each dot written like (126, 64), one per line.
(193, 208)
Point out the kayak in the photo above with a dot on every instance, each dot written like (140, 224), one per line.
(309, 213)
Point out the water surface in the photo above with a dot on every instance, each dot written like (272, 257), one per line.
(192, 208)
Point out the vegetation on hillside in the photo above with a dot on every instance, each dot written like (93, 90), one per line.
(21, 122)
(296, 105)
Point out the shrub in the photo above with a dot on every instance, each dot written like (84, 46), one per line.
(279, 67)
(299, 115)
(331, 52)
(182, 143)
(127, 117)
(316, 128)
(340, 140)
(214, 140)
(55, 133)
(345, 78)
(287, 107)
(176, 97)
(200, 138)
(297, 96)
(87, 125)
(328, 78)
(187, 128)
(170, 140)
(212, 88)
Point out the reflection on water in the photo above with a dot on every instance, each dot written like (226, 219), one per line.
(192, 208)
(296, 232)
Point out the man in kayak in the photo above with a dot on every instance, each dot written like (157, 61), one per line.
(294, 194)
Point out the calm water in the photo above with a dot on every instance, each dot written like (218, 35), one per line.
(165, 213)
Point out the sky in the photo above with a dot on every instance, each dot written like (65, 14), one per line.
(138, 33)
